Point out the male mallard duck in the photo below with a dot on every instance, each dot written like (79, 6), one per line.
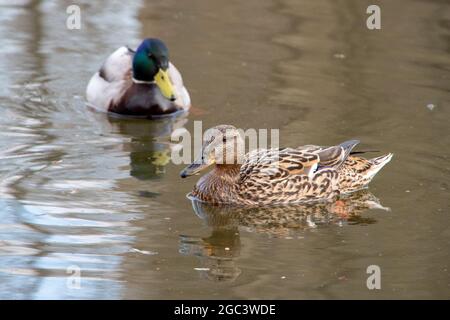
(277, 176)
(139, 83)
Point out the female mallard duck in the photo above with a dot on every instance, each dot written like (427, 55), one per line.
(277, 176)
(139, 83)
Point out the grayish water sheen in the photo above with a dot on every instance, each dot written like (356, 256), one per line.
(79, 188)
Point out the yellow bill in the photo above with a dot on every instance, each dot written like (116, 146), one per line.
(162, 80)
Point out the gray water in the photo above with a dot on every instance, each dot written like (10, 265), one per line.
(82, 189)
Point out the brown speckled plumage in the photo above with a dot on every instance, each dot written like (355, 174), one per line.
(283, 176)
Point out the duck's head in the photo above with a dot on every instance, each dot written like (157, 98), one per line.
(222, 145)
(150, 63)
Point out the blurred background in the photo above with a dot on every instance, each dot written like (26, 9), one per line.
(80, 188)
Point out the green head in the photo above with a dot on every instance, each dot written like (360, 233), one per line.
(150, 63)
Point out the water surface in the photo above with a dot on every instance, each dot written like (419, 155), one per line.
(81, 189)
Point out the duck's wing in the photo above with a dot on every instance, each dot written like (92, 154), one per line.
(277, 163)
(110, 83)
(289, 175)
(302, 160)
(285, 176)
(118, 65)
(331, 157)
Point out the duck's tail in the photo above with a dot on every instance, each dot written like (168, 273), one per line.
(356, 172)
(378, 163)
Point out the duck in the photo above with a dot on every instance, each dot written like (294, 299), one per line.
(276, 176)
(139, 83)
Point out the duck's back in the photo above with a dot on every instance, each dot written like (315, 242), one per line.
(280, 176)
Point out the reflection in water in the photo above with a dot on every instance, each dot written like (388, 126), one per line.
(218, 251)
(60, 168)
(150, 147)
(78, 188)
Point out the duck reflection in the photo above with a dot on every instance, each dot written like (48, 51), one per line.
(150, 145)
(217, 252)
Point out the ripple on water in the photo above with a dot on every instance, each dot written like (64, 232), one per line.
(56, 211)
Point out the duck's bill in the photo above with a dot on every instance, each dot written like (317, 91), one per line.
(164, 84)
(194, 168)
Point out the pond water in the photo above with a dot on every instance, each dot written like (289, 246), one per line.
(80, 190)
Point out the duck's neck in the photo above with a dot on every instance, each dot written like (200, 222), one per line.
(223, 176)
(227, 170)
(219, 185)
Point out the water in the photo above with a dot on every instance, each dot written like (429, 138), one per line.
(83, 190)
